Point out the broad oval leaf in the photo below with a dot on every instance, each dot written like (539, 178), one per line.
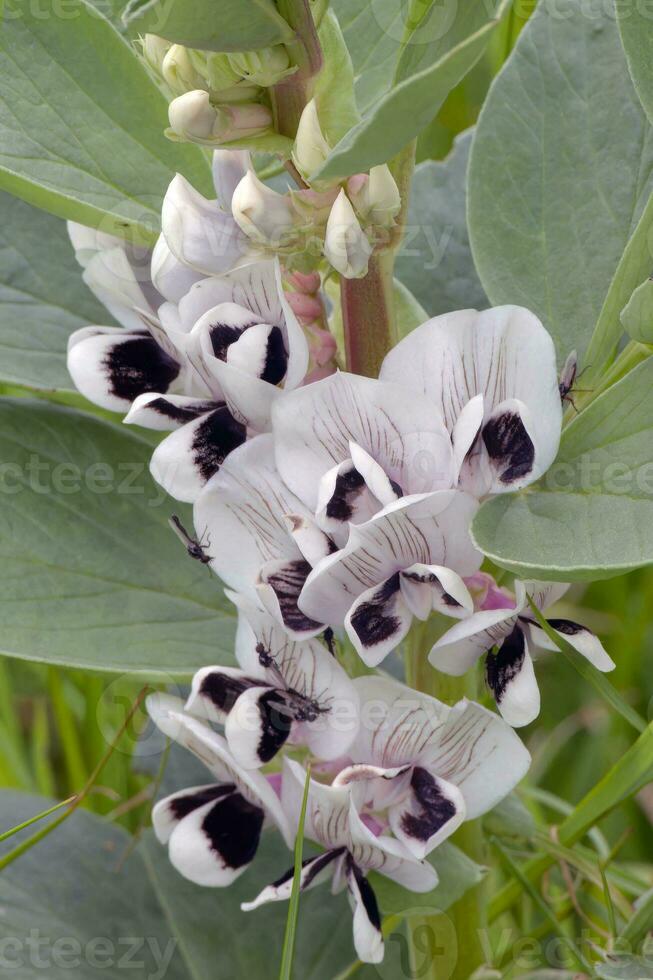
(82, 122)
(91, 576)
(42, 297)
(560, 171)
(236, 25)
(634, 21)
(430, 61)
(435, 260)
(591, 516)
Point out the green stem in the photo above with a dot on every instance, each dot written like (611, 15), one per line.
(468, 914)
(368, 315)
(290, 95)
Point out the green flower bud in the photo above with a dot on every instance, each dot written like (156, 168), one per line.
(265, 67)
(155, 49)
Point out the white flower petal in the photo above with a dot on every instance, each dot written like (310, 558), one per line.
(215, 690)
(459, 648)
(311, 540)
(229, 168)
(378, 620)
(122, 286)
(187, 458)
(198, 233)
(258, 725)
(397, 427)
(166, 412)
(368, 938)
(111, 367)
(434, 587)
(171, 277)
(511, 678)
(579, 637)
(478, 752)
(431, 811)
(315, 870)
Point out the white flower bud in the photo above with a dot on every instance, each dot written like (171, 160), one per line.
(310, 149)
(155, 49)
(383, 197)
(264, 215)
(265, 67)
(345, 244)
(179, 71)
(192, 115)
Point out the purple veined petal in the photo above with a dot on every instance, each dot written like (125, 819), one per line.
(168, 714)
(424, 529)
(368, 937)
(398, 727)
(502, 353)
(431, 811)
(511, 678)
(378, 620)
(111, 366)
(478, 752)
(315, 871)
(229, 168)
(198, 233)
(215, 690)
(185, 460)
(171, 277)
(544, 594)
(216, 834)
(167, 412)
(327, 809)
(428, 588)
(244, 507)
(401, 431)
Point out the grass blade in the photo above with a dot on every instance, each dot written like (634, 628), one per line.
(589, 673)
(285, 972)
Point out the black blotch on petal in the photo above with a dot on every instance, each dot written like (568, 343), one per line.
(181, 806)
(233, 827)
(501, 668)
(311, 867)
(179, 413)
(215, 437)
(276, 358)
(223, 690)
(370, 621)
(276, 722)
(435, 808)
(509, 446)
(223, 336)
(287, 582)
(348, 486)
(567, 626)
(368, 898)
(137, 366)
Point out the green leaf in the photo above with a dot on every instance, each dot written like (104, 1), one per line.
(634, 21)
(432, 61)
(42, 297)
(334, 87)
(560, 171)
(592, 514)
(435, 260)
(457, 873)
(408, 312)
(237, 25)
(289, 939)
(637, 314)
(91, 575)
(82, 122)
(183, 932)
(625, 968)
(632, 771)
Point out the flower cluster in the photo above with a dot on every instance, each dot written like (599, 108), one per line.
(336, 504)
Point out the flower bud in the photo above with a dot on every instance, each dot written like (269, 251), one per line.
(265, 67)
(310, 149)
(193, 117)
(179, 70)
(155, 49)
(346, 245)
(264, 215)
(384, 199)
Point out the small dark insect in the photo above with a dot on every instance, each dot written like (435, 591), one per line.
(329, 639)
(568, 376)
(294, 705)
(195, 548)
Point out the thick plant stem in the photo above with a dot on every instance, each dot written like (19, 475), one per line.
(466, 920)
(368, 315)
(290, 95)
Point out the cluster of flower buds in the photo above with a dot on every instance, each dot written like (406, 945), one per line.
(216, 97)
